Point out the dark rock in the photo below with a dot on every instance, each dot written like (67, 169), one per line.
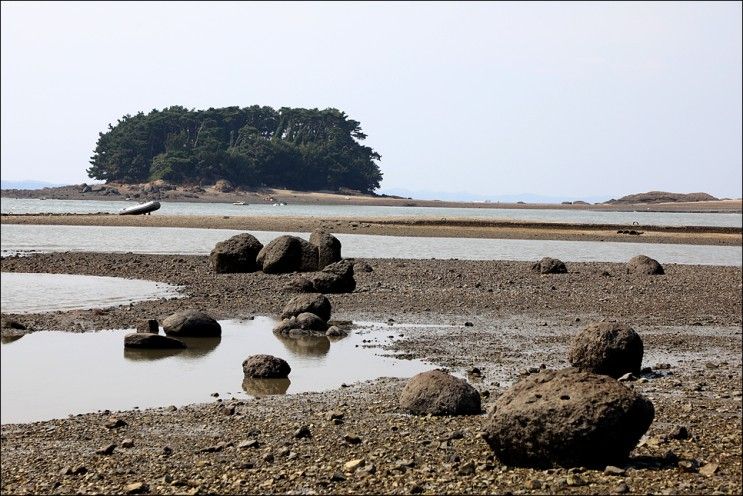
(151, 341)
(335, 278)
(115, 423)
(644, 265)
(607, 348)
(287, 254)
(328, 247)
(107, 450)
(314, 303)
(236, 254)
(191, 323)
(679, 432)
(567, 418)
(266, 367)
(303, 432)
(12, 324)
(362, 267)
(310, 322)
(335, 332)
(299, 284)
(149, 326)
(549, 265)
(439, 393)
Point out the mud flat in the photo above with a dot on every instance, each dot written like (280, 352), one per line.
(690, 320)
(406, 226)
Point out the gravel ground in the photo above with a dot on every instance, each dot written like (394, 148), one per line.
(690, 320)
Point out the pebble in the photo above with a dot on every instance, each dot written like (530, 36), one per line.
(612, 470)
(115, 423)
(248, 443)
(352, 465)
(136, 488)
(352, 439)
(303, 432)
(709, 469)
(127, 443)
(107, 450)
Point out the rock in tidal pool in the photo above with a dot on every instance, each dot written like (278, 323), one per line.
(313, 303)
(439, 393)
(305, 323)
(549, 265)
(151, 341)
(287, 254)
(644, 265)
(191, 323)
(328, 247)
(567, 418)
(607, 348)
(266, 367)
(236, 254)
(335, 332)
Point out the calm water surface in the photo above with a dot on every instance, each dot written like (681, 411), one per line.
(191, 241)
(14, 205)
(48, 374)
(32, 293)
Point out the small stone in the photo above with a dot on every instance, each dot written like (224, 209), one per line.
(468, 324)
(628, 377)
(334, 415)
(228, 410)
(303, 432)
(621, 489)
(127, 443)
(268, 458)
(167, 450)
(115, 423)
(574, 480)
(416, 489)
(709, 469)
(351, 439)
(172, 408)
(107, 450)
(612, 470)
(679, 432)
(284, 451)
(532, 484)
(249, 443)
(337, 477)
(352, 465)
(369, 469)
(136, 488)
(467, 469)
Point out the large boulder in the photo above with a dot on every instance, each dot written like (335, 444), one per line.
(191, 323)
(223, 186)
(549, 265)
(439, 393)
(607, 348)
(335, 278)
(567, 418)
(151, 341)
(236, 254)
(644, 265)
(328, 248)
(266, 367)
(287, 254)
(313, 303)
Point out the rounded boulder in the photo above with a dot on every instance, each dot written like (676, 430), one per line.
(549, 265)
(191, 323)
(438, 393)
(287, 254)
(328, 247)
(567, 418)
(236, 254)
(644, 265)
(266, 367)
(607, 348)
(314, 303)
(151, 341)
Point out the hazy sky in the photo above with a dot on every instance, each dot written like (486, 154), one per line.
(560, 99)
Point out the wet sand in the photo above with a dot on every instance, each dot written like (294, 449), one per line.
(406, 226)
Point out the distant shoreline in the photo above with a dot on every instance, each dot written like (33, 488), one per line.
(269, 196)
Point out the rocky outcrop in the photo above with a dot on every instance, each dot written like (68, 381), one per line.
(266, 367)
(151, 341)
(302, 324)
(438, 393)
(607, 348)
(549, 265)
(287, 254)
(191, 323)
(567, 418)
(314, 303)
(644, 265)
(236, 254)
(328, 248)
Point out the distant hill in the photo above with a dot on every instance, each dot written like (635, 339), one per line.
(463, 196)
(664, 197)
(27, 184)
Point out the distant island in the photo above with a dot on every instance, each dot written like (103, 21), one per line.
(297, 148)
(664, 197)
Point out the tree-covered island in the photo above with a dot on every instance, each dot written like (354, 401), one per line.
(302, 149)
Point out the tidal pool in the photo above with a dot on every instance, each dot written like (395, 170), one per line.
(37, 293)
(52, 374)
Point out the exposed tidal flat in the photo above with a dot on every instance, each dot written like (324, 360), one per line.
(689, 318)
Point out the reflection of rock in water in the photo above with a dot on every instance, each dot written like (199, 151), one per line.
(264, 387)
(144, 354)
(198, 347)
(305, 345)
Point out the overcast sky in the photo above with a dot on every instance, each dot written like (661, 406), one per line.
(560, 99)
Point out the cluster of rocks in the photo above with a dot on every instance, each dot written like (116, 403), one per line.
(286, 254)
(640, 264)
(187, 323)
(307, 315)
(578, 416)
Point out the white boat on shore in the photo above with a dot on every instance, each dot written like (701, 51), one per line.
(240, 203)
(142, 208)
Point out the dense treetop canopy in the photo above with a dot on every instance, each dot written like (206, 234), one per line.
(304, 149)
